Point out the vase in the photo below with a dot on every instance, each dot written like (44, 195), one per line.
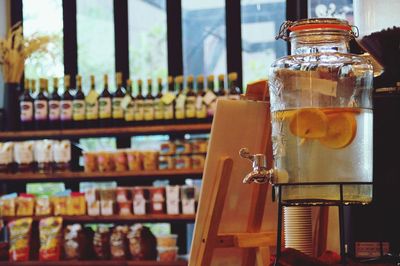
(11, 114)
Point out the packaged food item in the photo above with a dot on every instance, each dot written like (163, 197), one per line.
(134, 160)
(188, 199)
(107, 194)
(20, 234)
(91, 194)
(198, 161)
(199, 146)
(166, 162)
(167, 148)
(120, 161)
(125, 207)
(172, 193)
(60, 203)
(105, 162)
(119, 243)
(150, 160)
(62, 155)
(157, 200)
(42, 205)
(167, 240)
(72, 242)
(43, 154)
(23, 156)
(6, 157)
(183, 147)
(25, 204)
(167, 253)
(140, 198)
(183, 162)
(107, 207)
(142, 243)
(50, 238)
(93, 208)
(76, 204)
(122, 194)
(101, 242)
(8, 204)
(90, 161)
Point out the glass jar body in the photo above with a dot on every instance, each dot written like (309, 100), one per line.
(321, 104)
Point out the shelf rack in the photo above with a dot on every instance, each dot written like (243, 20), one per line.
(95, 176)
(102, 132)
(115, 218)
(95, 263)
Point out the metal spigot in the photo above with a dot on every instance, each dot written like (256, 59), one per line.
(260, 173)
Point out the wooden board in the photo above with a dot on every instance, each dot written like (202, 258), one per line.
(236, 124)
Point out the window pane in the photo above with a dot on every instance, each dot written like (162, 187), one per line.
(261, 20)
(204, 37)
(96, 47)
(147, 39)
(342, 9)
(41, 19)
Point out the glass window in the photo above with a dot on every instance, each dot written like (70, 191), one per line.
(148, 39)
(342, 9)
(204, 37)
(96, 47)
(261, 20)
(41, 19)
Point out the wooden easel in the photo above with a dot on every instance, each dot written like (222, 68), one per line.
(225, 234)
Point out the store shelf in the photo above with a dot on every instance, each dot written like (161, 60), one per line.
(80, 176)
(94, 263)
(100, 132)
(117, 218)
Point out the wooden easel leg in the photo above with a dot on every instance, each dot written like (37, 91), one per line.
(263, 256)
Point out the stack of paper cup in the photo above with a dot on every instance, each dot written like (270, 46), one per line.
(298, 229)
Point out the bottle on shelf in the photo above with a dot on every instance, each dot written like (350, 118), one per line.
(33, 88)
(139, 103)
(180, 99)
(78, 105)
(234, 90)
(54, 106)
(201, 108)
(128, 104)
(92, 104)
(190, 104)
(26, 108)
(105, 108)
(158, 104)
(149, 103)
(221, 92)
(210, 98)
(41, 104)
(168, 100)
(66, 104)
(117, 97)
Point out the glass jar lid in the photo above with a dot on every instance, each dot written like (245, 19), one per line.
(289, 28)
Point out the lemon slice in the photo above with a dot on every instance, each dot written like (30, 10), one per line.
(309, 123)
(342, 129)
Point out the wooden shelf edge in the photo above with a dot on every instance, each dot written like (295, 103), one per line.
(100, 175)
(115, 218)
(95, 263)
(112, 131)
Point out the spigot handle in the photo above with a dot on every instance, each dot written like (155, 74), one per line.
(245, 153)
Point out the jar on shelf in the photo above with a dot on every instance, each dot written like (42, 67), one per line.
(321, 105)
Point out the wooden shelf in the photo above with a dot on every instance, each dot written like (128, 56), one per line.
(79, 176)
(101, 132)
(94, 263)
(116, 218)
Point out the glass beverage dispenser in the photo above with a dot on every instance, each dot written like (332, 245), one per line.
(321, 109)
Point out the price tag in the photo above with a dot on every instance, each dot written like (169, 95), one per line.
(180, 101)
(92, 97)
(209, 97)
(126, 101)
(168, 98)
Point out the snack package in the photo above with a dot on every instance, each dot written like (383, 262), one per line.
(76, 204)
(20, 233)
(120, 161)
(166, 162)
(105, 162)
(167, 148)
(25, 204)
(42, 206)
(150, 160)
(142, 243)
(8, 204)
(90, 162)
(183, 162)
(6, 156)
(23, 155)
(119, 243)
(62, 154)
(43, 155)
(125, 208)
(93, 208)
(198, 161)
(60, 203)
(50, 238)
(73, 246)
(134, 160)
(101, 242)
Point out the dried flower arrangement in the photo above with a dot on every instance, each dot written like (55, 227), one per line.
(15, 49)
